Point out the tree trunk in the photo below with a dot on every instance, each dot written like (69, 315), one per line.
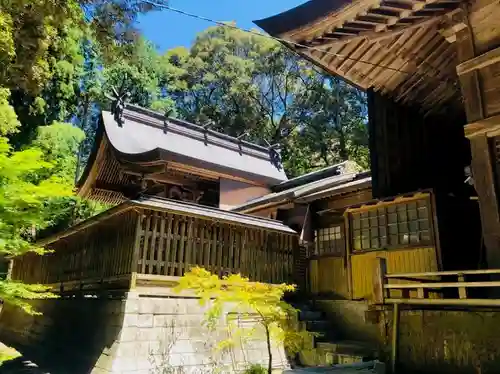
(269, 351)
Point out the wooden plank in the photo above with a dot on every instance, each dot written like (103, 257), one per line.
(484, 183)
(213, 249)
(190, 245)
(244, 269)
(220, 250)
(479, 62)
(260, 250)
(231, 259)
(174, 247)
(462, 291)
(438, 285)
(379, 280)
(446, 302)
(469, 82)
(252, 270)
(204, 246)
(145, 242)
(205, 235)
(237, 249)
(443, 273)
(181, 249)
(152, 246)
(168, 243)
(161, 248)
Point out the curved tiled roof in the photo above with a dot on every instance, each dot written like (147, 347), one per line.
(148, 142)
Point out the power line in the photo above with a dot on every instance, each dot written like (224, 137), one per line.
(326, 52)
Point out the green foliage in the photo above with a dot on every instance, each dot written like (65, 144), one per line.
(234, 295)
(15, 293)
(255, 369)
(246, 83)
(32, 181)
(7, 353)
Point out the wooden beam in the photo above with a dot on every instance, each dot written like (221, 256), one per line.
(483, 126)
(479, 62)
(484, 183)
(469, 82)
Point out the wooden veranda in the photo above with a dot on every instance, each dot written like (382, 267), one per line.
(154, 241)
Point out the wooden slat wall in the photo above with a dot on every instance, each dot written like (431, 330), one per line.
(410, 151)
(98, 253)
(328, 276)
(171, 244)
(165, 244)
(398, 261)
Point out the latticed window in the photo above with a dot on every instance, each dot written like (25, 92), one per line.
(391, 226)
(330, 240)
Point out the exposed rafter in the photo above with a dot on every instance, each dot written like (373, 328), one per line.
(393, 46)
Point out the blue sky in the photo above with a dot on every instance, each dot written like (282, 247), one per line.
(167, 29)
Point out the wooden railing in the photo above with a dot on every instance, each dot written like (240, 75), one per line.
(112, 252)
(423, 284)
(169, 244)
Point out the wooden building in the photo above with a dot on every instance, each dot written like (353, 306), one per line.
(170, 185)
(144, 152)
(429, 71)
(167, 180)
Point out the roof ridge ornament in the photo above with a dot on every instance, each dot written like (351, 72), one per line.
(274, 154)
(118, 106)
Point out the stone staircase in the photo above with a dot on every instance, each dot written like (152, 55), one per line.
(328, 348)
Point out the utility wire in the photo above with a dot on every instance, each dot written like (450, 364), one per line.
(281, 40)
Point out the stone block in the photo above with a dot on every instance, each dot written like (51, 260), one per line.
(129, 334)
(126, 349)
(144, 320)
(104, 362)
(161, 320)
(145, 334)
(112, 349)
(97, 370)
(146, 305)
(156, 347)
(121, 364)
(144, 363)
(130, 320)
(132, 306)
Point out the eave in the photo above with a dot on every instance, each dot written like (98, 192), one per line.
(395, 47)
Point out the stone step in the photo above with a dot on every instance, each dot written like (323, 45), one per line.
(345, 352)
(309, 315)
(323, 326)
(348, 348)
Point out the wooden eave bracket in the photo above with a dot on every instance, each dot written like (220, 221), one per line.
(453, 23)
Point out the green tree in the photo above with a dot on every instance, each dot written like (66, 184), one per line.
(31, 179)
(246, 83)
(260, 302)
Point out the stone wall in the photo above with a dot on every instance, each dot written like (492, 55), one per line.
(351, 320)
(131, 334)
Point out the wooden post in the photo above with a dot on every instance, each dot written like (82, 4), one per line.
(395, 335)
(475, 78)
(484, 183)
(462, 291)
(379, 280)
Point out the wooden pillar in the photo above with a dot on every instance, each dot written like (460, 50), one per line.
(477, 77)
(484, 183)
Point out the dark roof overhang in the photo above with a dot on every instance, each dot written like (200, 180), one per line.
(398, 48)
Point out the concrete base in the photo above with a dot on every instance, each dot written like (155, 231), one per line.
(132, 333)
